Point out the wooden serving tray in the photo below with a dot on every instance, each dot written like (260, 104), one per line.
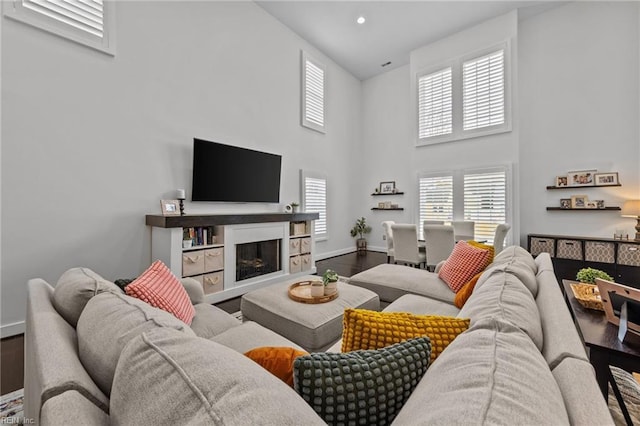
(586, 296)
(301, 292)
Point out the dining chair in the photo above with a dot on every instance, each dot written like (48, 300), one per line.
(463, 229)
(439, 241)
(405, 245)
(388, 234)
(498, 239)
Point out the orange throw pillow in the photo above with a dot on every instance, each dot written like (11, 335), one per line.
(491, 249)
(465, 292)
(463, 263)
(277, 360)
(160, 288)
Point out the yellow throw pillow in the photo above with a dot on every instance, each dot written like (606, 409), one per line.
(364, 329)
(491, 249)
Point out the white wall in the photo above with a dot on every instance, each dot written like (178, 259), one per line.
(388, 117)
(91, 143)
(579, 110)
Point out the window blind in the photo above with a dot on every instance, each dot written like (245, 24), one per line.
(313, 94)
(84, 15)
(485, 202)
(436, 199)
(315, 201)
(483, 96)
(435, 104)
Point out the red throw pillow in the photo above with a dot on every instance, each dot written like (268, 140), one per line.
(160, 288)
(277, 360)
(463, 263)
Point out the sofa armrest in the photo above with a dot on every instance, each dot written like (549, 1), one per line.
(194, 290)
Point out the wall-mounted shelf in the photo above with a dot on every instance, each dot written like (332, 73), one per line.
(575, 188)
(389, 193)
(396, 208)
(585, 210)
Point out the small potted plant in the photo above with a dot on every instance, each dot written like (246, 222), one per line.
(360, 229)
(589, 275)
(330, 281)
(294, 207)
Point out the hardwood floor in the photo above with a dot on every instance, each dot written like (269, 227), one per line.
(12, 348)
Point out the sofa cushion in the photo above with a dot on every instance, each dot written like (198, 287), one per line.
(209, 321)
(502, 296)
(463, 263)
(491, 374)
(55, 411)
(250, 335)
(362, 387)
(365, 329)
(74, 289)
(180, 380)
(420, 305)
(393, 281)
(516, 254)
(107, 323)
(160, 288)
(277, 360)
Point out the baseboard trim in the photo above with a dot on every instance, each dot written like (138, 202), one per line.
(322, 256)
(377, 248)
(12, 329)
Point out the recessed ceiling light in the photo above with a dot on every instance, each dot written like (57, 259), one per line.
(361, 20)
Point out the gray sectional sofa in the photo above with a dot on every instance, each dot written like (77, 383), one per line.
(96, 356)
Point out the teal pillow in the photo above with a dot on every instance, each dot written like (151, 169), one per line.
(362, 387)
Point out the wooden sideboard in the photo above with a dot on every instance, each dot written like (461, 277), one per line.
(618, 258)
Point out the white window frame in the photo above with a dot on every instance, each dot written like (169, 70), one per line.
(458, 191)
(456, 63)
(20, 11)
(304, 175)
(305, 121)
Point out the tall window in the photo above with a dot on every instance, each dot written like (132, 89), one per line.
(436, 199)
(314, 200)
(88, 22)
(483, 91)
(467, 97)
(478, 195)
(313, 93)
(434, 104)
(485, 201)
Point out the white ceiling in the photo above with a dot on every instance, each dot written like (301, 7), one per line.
(392, 28)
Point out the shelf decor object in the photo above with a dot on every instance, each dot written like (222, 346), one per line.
(388, 187)
(181, 196)
(169, 207)
(631, 208)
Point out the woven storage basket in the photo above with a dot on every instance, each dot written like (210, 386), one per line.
(587, 295)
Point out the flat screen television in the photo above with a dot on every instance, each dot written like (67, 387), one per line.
(233, 174)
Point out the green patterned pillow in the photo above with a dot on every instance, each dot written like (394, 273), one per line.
(362, 387)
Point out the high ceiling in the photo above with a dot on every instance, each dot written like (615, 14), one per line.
(392, 28)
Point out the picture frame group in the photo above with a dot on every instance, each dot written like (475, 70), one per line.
(587, 178)
(581, 202)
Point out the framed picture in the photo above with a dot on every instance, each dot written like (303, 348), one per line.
(581, 178)
(381, 205)
(579, 201)
(387, 187)
(565, 203)
(607, 178)
(600, 203)
(591, 205)
(170, 207)
(561, 181)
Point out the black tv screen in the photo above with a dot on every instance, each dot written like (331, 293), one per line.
(229, 173)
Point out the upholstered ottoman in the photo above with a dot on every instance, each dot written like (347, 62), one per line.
(315, 327)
